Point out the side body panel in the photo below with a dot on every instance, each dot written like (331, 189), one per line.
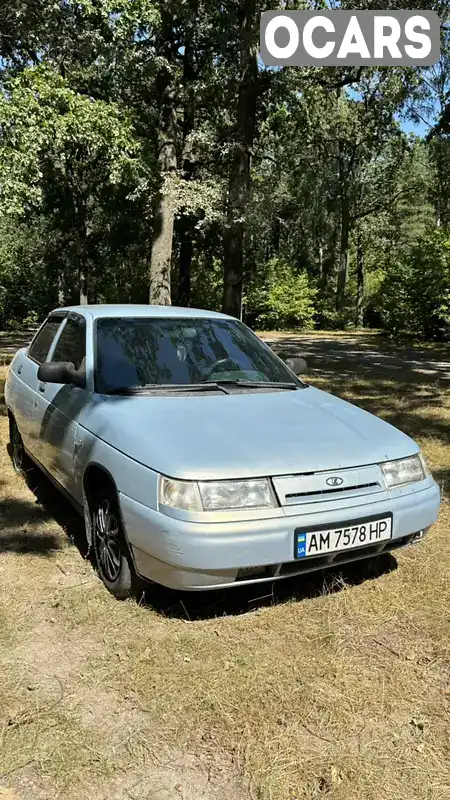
(20, 394)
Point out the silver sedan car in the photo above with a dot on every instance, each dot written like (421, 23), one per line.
(199, 459)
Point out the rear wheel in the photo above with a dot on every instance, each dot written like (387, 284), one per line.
(111, 550)
(21, 461)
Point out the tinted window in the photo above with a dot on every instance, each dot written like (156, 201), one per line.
(138, 351)
(71, 344)
(42, 343)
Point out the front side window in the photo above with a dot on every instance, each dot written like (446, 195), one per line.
(40, 346)
(133, 352)
(71, 345)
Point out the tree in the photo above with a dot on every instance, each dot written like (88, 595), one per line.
(60, 150)
(145, 151)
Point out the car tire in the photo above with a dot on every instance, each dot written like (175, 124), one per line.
(22, 463)
(112, 554)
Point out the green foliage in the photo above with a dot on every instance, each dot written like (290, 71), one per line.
(22, 290)
(206, 283)
(415, 294)
(85, 86)
(284, 300)
(76, 182)
(45, 124)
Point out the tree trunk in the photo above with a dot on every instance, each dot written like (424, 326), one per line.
(234, 234)
(186, 222)
(343, 256)
(83, 288)
(163, 224)
(441, 149)
(360, 282)
(61, 302)
(186, 253)
(80, 250)
(87, 277)
(239, 185)
(276, 236)
(345, 234)
(329, 263)
(83, 261)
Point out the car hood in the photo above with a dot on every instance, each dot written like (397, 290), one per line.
(245, 435)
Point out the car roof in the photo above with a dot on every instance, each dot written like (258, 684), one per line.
(137, 310)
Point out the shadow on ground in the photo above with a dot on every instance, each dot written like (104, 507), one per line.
(11, 341)
(54, 505)
(409, 408)
(404, 386)
(190, 606)
(363, 357)
(27, 542)
(3, 411)
(442, 478)
(21, 518)
(196, 606)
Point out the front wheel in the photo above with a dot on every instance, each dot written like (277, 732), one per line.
(112, 554)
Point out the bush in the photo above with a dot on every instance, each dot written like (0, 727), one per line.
(285, 299)
(414, 298)
(328, 319)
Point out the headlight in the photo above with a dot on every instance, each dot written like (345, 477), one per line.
(217, 495)
(224, 495)
(180, 494)
(405, 470)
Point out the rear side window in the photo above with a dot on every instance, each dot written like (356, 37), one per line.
(43, 341)
(71, 344)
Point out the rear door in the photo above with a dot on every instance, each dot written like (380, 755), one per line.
(60, 405)
(26, 366)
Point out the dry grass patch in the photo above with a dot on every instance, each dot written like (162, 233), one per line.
(337, 689)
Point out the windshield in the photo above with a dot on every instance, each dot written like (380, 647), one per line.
(133, 352)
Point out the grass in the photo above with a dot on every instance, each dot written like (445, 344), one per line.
(334, 686)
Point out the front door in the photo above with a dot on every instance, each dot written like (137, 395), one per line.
(59, 407)
(27, 367)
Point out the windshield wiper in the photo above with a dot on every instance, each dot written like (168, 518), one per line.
(208, 386)
(259, 384)
(168, 387)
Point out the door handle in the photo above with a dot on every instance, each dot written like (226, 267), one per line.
(42, 387)
(19, 369)
(76, 445)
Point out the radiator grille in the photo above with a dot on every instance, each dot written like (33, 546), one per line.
(316, 487)
(328, 491)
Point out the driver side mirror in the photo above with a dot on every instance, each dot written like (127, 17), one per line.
(61, 372)
(297, 365)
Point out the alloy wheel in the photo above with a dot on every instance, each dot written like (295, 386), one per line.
(107, 533)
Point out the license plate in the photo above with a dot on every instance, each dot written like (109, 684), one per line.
(348, 536)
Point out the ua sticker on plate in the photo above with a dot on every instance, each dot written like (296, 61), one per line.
(301, 545)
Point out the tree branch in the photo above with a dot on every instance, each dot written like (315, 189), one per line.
(384, 203)
(346, 81)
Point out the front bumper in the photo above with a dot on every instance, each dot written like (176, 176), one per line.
(198, 555)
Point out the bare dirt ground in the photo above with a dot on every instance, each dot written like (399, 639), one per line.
(335, 686)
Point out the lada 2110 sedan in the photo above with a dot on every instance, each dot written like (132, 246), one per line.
(200, 459)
